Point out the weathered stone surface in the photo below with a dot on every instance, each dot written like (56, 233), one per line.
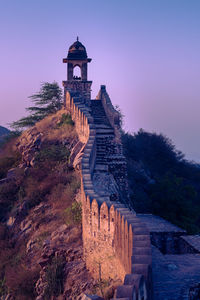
(174, 275)
(107, 232)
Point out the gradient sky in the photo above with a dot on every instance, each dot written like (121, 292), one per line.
(145, 51)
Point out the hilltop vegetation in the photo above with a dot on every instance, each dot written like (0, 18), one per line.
(40, 215)
(40, 220)
(161, 181)
(47, 101)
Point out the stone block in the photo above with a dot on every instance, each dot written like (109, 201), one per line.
(126, 291)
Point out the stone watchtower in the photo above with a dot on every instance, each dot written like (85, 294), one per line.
(77, 56)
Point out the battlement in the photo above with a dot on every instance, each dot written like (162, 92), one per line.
(116, 242)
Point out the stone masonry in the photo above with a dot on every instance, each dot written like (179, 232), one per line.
(116, 242)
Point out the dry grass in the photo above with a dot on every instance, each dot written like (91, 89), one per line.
(21, 282)
(52, 181)
(66, 132)
(49, 122)
(49, 126)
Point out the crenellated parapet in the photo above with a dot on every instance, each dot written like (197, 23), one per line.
(116, 243)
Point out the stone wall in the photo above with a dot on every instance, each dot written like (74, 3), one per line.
(116, 243)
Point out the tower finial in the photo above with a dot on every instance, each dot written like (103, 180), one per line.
(77, 38)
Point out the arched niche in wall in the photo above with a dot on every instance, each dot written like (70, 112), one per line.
(77, 72)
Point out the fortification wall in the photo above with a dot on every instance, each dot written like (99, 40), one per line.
(116, 243)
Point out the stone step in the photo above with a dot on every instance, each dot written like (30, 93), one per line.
(101, 159)
(141, 259)
(99, 167)
(125, 291)
(132, 279)
(140, 231)
(140, 269)
(142, 243)
(141, 250)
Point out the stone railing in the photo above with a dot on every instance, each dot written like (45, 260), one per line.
(116, 243)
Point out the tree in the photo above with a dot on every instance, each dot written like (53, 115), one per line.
(174, 199)
(47, 101)
(156, 151)
(161, 180)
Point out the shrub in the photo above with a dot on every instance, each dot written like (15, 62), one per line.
(56, 153)
(54, 278)
(73, 213)
(66, 119)
(21, 282)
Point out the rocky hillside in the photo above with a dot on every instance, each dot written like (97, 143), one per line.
(41, 254)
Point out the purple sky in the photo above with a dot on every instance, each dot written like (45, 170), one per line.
(146, 52)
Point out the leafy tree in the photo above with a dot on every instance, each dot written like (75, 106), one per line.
(47, 101)
(161, 181)
(173, 199)
(156, 151)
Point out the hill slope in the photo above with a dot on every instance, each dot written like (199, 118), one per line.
(40, 215)
(3, 131)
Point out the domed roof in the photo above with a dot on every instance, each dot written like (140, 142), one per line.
(77, 51)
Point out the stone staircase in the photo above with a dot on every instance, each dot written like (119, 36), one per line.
(104, 133)
(99, 115)
(109, 226)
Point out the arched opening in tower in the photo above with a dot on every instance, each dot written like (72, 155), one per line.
(77, 73)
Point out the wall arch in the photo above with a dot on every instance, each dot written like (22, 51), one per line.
(77, 72)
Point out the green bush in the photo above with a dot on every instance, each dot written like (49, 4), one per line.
(66, 119)
(73, 214)
(56, 153)
(54, 277)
